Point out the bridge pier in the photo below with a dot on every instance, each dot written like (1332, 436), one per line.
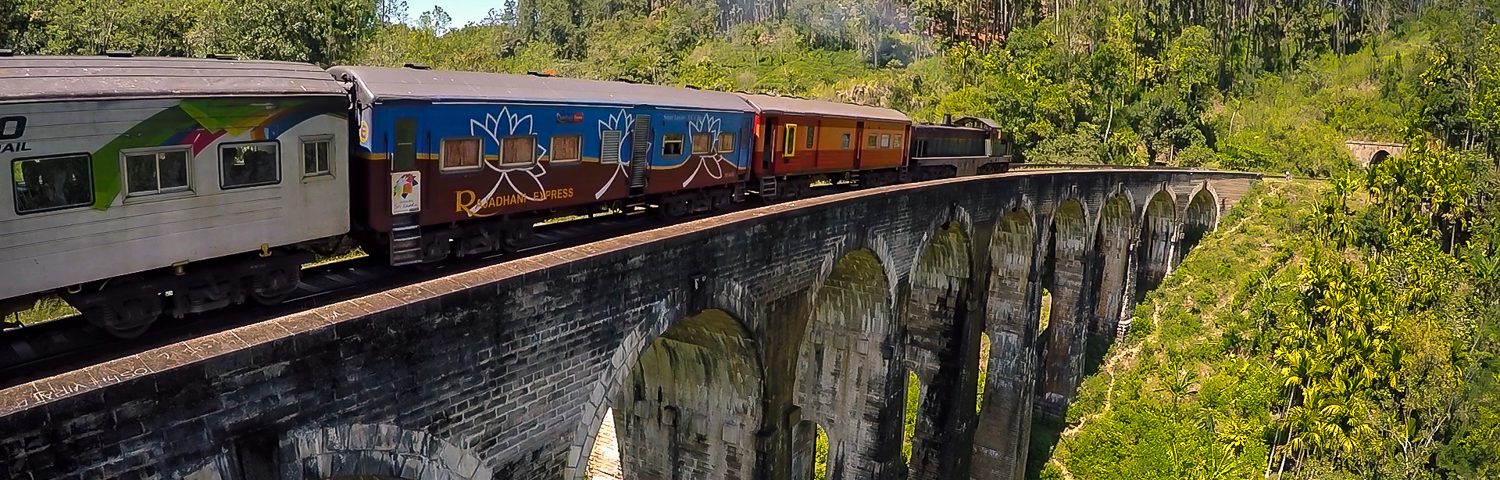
(1112, 260)
(1004, 417)
(844, 367)
(1066, 273)
(936, 312)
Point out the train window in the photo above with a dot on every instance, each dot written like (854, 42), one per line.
(702, 143)
(810, 130)
(897, 142)
(726, 142)
(249, 165)
(461, 153)
(789, 140)
(885, 140)
(52, 183)
(609, 146)
(671, 145)
(518, 151)
(872, 140)
(846, 141)
(567, 148)
(156, 171)
(317, 153)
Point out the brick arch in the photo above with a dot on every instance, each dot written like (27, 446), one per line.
(376, 450)
(1000, 439)
(692, 402)
(936, 307)
(714, 293)
(1112, 251)
(804, 451)
(1063, 273)
(1201, 216)
(843, 359)
(1156, 242)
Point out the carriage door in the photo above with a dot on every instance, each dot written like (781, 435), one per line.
(768, 147)
(859, 143)
(640, 154)
(406, 196)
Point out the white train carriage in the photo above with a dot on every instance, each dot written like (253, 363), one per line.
(138, 186)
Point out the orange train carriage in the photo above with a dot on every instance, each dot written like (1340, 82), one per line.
(800, 141)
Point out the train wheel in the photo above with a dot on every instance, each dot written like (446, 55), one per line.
(128, 318)
(273, 287)
(720, 200)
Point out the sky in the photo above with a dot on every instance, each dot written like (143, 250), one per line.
(462, 11)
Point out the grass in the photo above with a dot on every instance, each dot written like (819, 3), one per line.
(47, 309)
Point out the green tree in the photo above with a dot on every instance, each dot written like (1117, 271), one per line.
(312, 31)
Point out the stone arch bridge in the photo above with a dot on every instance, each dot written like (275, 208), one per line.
(722, 347)
(1367, 153)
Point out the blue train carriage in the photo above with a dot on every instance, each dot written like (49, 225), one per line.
(139, 186)
(463, 163)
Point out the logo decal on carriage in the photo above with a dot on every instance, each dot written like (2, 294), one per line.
(406, 192)
(712, 164)
(12, 128)
(524, 181)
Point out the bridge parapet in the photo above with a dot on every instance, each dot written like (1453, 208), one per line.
(507, 371)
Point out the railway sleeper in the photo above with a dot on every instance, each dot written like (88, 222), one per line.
(125, 307)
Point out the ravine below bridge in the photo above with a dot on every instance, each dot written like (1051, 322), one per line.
(722, 347)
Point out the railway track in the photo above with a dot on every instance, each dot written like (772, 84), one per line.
(58, 346)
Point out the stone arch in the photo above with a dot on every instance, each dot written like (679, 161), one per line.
(1000, 439)
(809, 451)
(722, 294)
(1155, 246)
(936, 307)
(1111, 268)
(1201, 217)
(378, 451)
(844, 360)
(1379, 156)
(1064, 273)
(691, 403)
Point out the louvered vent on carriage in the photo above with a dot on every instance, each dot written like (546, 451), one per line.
(609, 151)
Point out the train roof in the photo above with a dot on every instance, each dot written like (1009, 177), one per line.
(52, 78)
(384, 83)
(939, 126)
(774, 104)
(976, 122)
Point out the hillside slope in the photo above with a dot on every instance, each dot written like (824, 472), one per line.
(1176, 398)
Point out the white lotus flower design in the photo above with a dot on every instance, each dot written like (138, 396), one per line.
(496, 127)
(714, 163)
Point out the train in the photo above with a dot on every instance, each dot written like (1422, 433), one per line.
(150, 186)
